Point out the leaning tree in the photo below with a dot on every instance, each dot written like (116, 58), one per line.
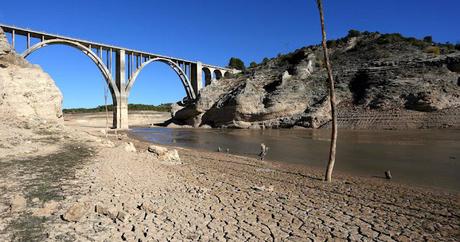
(333, 147)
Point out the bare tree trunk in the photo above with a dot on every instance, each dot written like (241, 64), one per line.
(332, 151)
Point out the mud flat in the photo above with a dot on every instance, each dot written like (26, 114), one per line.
(105, 189)
(98, 119)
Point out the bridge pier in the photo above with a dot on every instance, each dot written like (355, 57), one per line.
(196, 77)
(120, 101)
(120, 113)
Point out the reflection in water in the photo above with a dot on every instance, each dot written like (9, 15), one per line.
(422, 157)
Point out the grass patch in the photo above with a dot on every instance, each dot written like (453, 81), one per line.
(42, 177)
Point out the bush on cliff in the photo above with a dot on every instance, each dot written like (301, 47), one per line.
(435, 50)
(236, 63)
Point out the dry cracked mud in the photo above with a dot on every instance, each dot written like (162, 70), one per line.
(132, 196)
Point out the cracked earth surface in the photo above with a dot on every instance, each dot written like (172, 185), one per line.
(132, 196)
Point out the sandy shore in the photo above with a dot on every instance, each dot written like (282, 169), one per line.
(98, 119)
(110, 194)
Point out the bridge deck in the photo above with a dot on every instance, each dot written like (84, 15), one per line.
(95, 45)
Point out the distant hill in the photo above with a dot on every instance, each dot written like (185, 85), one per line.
(131, 107)
(384, 81)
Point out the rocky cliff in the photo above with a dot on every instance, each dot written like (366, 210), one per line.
(28, 95)
(382, 81)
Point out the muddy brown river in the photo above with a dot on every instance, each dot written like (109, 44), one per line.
(421, 157)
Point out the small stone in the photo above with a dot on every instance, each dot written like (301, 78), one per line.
(129, 147)
(158, 150)
(172, 155)
(17, 203)
(36, 200)
(48, 209)
(112, 213)
(122, 216)
(75, 213)
(258, 188)
(158, 211)
(108, 143)
(101, 209)
(147, 207)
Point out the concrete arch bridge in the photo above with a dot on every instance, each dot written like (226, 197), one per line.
(121, 66)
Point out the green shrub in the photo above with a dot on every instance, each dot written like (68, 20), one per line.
(236, 63)
(252, 64)
(449, 46)
(331, 43)
(457, 46)
(389, 38)
(428, 39)
(418, 43)
(265, 60)
(435, 50)
(353, 33)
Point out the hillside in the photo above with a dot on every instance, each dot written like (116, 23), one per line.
(383, 81)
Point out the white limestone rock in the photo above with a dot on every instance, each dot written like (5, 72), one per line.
(28, 95)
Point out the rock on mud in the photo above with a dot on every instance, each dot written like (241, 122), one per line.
(17, 203)
(164, 154)
(157, 150)
(48, 209)
(76, 212)
(129, 147)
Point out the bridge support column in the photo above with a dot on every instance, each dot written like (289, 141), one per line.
(120, 110)
(196, 77)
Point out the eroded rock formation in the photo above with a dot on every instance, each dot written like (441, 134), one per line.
(382, 81)
(28, 95)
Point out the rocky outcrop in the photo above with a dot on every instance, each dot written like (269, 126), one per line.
(374, 74)
(28, 95)
(163, 154)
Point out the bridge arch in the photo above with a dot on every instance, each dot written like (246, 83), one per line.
(179, 71)
(207, 76)
(218, 74)
(99, 63)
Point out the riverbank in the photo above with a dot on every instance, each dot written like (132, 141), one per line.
(208, 196)
(98, 119)
(414, 157)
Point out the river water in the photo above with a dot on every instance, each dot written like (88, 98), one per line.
(420, 157)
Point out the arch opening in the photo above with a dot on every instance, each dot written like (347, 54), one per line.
(88, 52)
(176, 68)
(78, 80)
(217, 74)
(207, 76)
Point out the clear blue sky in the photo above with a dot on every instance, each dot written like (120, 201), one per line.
(208, 30)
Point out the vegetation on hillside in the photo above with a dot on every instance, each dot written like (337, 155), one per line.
(131, 107)
(379, 44)
(236, 63)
